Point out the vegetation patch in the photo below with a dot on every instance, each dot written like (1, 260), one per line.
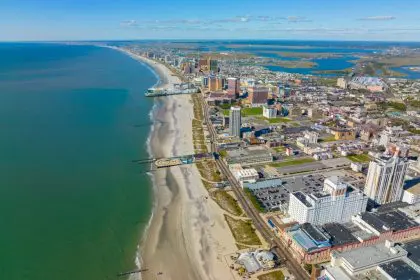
(397, 106)
(328, 139)
(251, 111)
(275, 275)
(362, 158)
(208, 170)
(243, 231)
(257, 204)
(279, 149)
(279, 120)
(292, 162)
(227, 202)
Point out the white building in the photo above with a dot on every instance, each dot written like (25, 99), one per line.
(356, 166)
(312, 136)
(412, 195)
(350, 264)
(269, 112)
(385, 179)
(337, 203)
(263, 184)
(246, 175)
(235, 121)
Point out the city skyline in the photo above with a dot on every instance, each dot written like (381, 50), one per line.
(130, 20)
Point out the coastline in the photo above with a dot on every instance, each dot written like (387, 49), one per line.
(187, 236)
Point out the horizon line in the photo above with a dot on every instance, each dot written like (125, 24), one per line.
(207, 39)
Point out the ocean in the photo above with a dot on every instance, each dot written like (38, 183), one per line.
(72, 119)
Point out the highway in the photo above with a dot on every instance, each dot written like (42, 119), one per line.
(282, 252)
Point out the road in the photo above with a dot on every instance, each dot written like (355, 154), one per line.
(282, 252)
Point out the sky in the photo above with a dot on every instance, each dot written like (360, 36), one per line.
(52, 20)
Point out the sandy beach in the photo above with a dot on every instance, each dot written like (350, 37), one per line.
(188, 237)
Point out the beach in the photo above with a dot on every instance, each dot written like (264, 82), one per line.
(188, 237)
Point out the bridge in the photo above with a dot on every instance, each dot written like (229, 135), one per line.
(174, 161)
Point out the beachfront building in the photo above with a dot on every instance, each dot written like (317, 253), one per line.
(336, 203)
(385, 179)
(235, 121)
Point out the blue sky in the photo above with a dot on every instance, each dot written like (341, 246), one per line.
(388, 20)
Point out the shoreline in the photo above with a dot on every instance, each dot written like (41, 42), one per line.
(187, 236)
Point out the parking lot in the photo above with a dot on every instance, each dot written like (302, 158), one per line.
(277, 198)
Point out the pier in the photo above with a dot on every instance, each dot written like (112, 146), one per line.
(184, 88)
(174, 161)
(131, 272)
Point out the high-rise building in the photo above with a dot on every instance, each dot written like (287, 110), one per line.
(235, 121)
(385, 179)
(257, 95)
(233, 86)
(338, 202)
(212, 65)
(215, 83)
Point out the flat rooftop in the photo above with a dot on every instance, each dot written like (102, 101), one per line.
(397, 220)
(250, 151)
(371, 255)
(302, 198)
(314, 232)
(414, 189)
(413, 249)
(400, 270)
(374, 221)
(339, 234)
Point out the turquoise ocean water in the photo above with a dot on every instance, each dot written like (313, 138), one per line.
(72, 118)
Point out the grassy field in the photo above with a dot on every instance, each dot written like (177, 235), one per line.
(279, 149)
(257, 204)
(292, 162)
(359, 158)
(245, 112)
(279, 120)
(242, 231)
(227, 202)
(330, 138)
(251, 111)
(275, 275)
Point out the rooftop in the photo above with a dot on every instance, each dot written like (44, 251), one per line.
(374, 222)
(414, 189)
(400, 270)
(413, 249)
(397, 220)
(339, 234)
(302, 197)
(371, 255)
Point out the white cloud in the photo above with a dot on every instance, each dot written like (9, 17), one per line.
(379, 18)
(297, 19)
(129, 23)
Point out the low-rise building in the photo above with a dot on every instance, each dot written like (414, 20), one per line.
(246, 175)
(343, 133)
(254, 155)
(412, 194)
(269, 112)
(363, 259)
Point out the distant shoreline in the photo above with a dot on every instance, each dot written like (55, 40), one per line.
(181, 225)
